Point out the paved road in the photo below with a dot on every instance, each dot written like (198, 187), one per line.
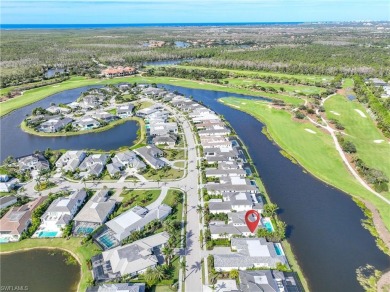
(189, 184)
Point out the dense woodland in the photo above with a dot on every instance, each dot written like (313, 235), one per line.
(307, 48)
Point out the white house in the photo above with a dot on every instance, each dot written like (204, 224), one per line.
(7, 183)
(86, 123)
(59, 214)
(70, 160)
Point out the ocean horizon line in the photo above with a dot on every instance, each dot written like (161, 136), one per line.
(6, 26)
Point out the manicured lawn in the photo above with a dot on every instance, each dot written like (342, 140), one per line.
(253, 74)
(83, 252)
(179, 164)
(33, 95)
(174, 154)
(170, 201)
(299, 89)
(162, 174)
(133, 198)
(112, 111)
(315, 152)
(362, 132)
(36, 94)
(145, 104)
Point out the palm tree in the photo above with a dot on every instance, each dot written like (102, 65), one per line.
(213, 276)
(270, 209)
(199, 209)
(38, 180)
(84, 181)
(167, 251)
(150, 277)
(161, 272)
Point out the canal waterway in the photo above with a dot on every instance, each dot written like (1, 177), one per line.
(15, 142)
(323, 223)
(38, 270)
(324, 226)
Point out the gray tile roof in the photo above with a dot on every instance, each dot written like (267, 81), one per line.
(136, 256)
(269, 281)
(150, 154)
(257, 281)
(67, 204)
(251, 252)
(114, 168)
(97, 209)
(118, 287)
(221, 188)
(35, 161)
(225, 172)
(135, 219)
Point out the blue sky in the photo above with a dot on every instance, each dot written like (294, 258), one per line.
(189, 11)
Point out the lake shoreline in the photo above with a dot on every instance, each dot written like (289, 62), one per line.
(50, 248)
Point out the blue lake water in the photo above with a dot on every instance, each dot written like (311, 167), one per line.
(14, 142)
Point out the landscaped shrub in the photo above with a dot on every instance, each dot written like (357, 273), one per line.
(299, 115)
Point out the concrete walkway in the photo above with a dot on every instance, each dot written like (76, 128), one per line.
(160, 199)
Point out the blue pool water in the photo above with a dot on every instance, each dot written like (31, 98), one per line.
(268, 226)
(248, 171)
(278, 250)
(234, 143)
(47, 234)
(85, 230)
(3, 240)
(106, 241)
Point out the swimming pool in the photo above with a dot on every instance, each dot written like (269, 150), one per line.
(85, 230)
(278, 249)
(47, 234)
(106, 241)
(4, 240)
(268, 226)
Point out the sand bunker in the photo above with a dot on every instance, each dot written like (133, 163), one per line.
(378, 141)
(335, 113)
(310, 131)
(360, 113)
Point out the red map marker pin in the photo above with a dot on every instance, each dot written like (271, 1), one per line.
(252, 218)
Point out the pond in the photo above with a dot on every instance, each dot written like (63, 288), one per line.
(52, 72)
(179, 44)
(166, 62)
(38, 270)
(15, 142)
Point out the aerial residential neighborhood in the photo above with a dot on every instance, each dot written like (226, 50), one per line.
(194, 146)
(92, 201)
